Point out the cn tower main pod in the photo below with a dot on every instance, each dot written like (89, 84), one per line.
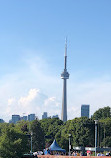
(64, 76)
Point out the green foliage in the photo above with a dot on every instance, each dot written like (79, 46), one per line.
(106, 141)
(38, 136)
(104, 126)
(62, 137)
(81, 130)
(50, 128)
(23, 126)
(104, 132)
(13, 143)
(102, 113)
(2, 126)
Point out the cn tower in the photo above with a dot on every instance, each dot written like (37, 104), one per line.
(64, 76)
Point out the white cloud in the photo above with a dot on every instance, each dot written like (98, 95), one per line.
(32, 94)
(33, 102)
(11, 101)
(52, 102)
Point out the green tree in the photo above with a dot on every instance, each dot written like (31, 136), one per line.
(106, 141)
(38, 142)
(105, 132)
(50, 127)
(102, 113)
(13, 143)
(104, 125)
(2, 125)
(23, 126)
(62, 136)
(81, 130)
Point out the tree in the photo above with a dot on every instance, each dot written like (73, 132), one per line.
(81, 130)
(106, 142)
(13, 143)
(105, 132)
(2, 125)
(102, 113)
(38, 142)
(62, 136)
(50, 127)
(23, 126)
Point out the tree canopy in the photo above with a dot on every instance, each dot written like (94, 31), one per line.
(13, 143)
(81, 131)
(15, 139)
(50, 128)
(102, 113)
(38, 140)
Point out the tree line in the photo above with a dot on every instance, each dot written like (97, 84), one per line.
(15, 139)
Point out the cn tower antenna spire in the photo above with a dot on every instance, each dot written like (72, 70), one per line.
(66, 46)
(65, 57)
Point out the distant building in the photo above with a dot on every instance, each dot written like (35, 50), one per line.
(31, 117)
(44, 116)
(55, 116)
(2, 121)
(85, 110)
(15, 118)
(24, 118)
(10, 121)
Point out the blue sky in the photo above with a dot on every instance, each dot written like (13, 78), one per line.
(32, 41)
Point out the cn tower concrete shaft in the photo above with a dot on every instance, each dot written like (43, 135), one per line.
(64, 102)
(64, 76)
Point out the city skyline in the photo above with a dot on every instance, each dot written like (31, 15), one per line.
(31, 56)
(30, 117)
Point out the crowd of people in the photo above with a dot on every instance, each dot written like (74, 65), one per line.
(102, 154)
(72, 153)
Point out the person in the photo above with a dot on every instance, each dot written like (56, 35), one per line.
(98, 154)
(107, 154)
(78, 154)
(62, 153)
(74, 154)
(88, 153)
(102, 154)
(81, 153)
(48, 151)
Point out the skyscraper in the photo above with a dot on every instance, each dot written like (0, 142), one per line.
(2, 121)
(64, 76)
(31, 117)
(85, 110)
(15, 118)
(24, 118)
(55, 116)
(44, 116)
